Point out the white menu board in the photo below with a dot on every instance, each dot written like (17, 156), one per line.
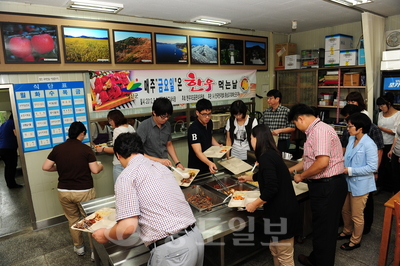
(46, 110)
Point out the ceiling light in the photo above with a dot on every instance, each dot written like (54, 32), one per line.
(351, 2)
(96, 6)
(211, 21)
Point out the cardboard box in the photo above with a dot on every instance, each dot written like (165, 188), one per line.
(390, 65)
(312, 58)
(391, 55)
(292, 61)
(351, 79)
(282, 50)
(338, 42)
(348, 57)
(332, 58)
(361, 56)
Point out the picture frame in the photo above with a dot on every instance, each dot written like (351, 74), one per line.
(255, 53)
(203, 50)
(171, 49)
(231, 52)
(30, 43)
(79, 42)
(133, 47)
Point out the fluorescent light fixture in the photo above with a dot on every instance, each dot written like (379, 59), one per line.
(351, 2)
(95, 6)
(211, 21)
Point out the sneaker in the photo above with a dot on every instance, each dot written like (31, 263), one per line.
(79, 250)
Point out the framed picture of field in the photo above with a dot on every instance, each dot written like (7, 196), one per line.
(133, 47)
(86, 45)
(255, 53)
(203, 50)
(231, 52)
(30, 43)
(171, 49)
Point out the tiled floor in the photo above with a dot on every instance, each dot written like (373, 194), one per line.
(20, 245)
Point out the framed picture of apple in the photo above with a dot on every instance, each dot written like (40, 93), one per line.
(30, 43)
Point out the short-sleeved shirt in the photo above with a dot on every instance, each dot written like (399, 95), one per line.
(322, 139)
(391, 123)
(374, 133)
(155, 138)
(148, 189)
(241, 141)
(7, 138)
(277, 119)
(72, 159)
(117, 131)
(197, 133)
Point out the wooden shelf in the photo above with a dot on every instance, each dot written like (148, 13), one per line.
(328, 106)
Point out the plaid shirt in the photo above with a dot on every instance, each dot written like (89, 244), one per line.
(277, 119)
(374, 133)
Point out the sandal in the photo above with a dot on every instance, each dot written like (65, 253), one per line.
(347, 247)
(342, 235)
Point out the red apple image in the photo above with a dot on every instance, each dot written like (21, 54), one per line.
(20, 46)
(42, 43)
(29, 58)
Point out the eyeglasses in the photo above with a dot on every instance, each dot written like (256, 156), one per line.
(164, 116)
(350, 126)
(205, 114)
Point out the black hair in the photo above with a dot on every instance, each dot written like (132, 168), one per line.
(203, 104)
(238, 107)
(275, 93)
(386, 99)
(316, 110)
(360, 120)
(355, 96)
(118, 117)
(350, 109)
(127, 144)
(162, 106)
(265, 141)
(300, 109)
(75, 129)
(11, 117)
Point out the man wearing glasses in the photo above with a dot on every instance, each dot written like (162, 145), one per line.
(200, 138)
(155, 133)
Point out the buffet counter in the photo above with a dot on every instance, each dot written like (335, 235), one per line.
(217, 225)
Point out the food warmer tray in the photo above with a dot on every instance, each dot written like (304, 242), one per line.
(217, 199)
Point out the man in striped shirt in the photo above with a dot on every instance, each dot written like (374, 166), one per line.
(323, 166)
(148, 197)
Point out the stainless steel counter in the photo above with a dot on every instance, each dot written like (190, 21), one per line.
(221, 221)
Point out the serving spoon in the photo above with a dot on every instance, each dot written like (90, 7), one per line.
(184, 175)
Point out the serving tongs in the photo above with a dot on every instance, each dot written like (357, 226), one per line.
(224, 188)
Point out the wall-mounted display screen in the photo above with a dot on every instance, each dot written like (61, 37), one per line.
(231, 52)
(203, 50)
(171, 49)
(86, 45)
(133, 47)
(255, 53)
(30, 43)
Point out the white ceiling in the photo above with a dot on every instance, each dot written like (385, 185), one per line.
(263, 15)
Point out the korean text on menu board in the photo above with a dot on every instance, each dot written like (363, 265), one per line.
(46, 110)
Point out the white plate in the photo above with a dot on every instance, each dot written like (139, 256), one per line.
(178, 177)
(249, 196)
(216, 151)
(107, 221)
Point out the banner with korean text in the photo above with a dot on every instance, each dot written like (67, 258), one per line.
(139, 88)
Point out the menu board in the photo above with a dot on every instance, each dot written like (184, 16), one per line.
(46, 110)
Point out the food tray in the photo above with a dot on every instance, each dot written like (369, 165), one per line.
(249, 196)
(228, 182)
(215, 198)
(235, 165)
(179, 178)
(107, 221)
(216, 151)
(237, 187)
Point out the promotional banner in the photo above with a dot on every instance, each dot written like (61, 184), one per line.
(139, 88)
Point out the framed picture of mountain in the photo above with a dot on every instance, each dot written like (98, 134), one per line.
(133, 47)
(171, 49)
(86, 45)
(231, 52)
(30, 43)
(203, 50)
(255, 53)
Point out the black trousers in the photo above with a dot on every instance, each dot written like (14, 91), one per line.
(326, 200)
(395, 172)
(283, 145)
(10, 158)
(385, 176)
